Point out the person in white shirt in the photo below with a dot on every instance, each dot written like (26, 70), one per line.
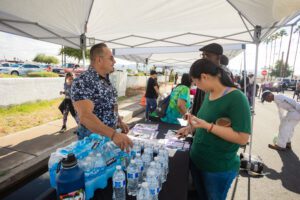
(287, 122)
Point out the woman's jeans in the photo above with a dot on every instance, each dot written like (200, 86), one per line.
(212, 185)
(151, 105)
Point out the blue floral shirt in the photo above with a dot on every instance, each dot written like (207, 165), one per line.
(91, 86)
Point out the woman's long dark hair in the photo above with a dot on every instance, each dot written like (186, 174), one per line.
(204, 66)
(186, 80)
(69, 74)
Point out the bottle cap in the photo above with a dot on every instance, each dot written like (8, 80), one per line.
(118, 167)
(70, 161)
(144, 184)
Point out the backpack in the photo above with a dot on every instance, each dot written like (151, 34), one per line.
(162, 106)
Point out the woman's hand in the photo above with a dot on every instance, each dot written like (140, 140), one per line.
(198, 123)
(183, 132)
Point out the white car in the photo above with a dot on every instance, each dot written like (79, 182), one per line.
(21, 69)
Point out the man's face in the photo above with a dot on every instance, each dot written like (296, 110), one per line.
(107, 61)
(211, 57)
(269, 98)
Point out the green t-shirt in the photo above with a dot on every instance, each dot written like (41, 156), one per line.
(172, 114)
(210, 152)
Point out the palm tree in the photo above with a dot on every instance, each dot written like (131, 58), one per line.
(275, 37)
(280, 35)
(297, 30)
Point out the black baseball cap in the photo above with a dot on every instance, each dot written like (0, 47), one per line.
(224, 60)
(213, 48)
(152, 72)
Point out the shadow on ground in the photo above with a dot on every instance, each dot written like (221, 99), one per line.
(290, 171)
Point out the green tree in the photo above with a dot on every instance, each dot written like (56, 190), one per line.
(281, 70)
(42, 58)
(74, 53)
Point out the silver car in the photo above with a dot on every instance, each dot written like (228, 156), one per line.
(8, 68)
(21, 69)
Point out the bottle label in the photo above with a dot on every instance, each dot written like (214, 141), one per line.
(78, 194)
(132, 175)
(154, 192)
(110, 161)
(119, 184)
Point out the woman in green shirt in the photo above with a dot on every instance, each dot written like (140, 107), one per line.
(214, 159)
(180, 101)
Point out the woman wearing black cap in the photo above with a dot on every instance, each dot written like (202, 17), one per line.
(222, 124)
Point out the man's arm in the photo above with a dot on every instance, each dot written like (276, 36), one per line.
(181, 106)
(157, 90)
(85, 108)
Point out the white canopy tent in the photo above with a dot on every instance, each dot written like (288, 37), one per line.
(136, 23)
(170, 56)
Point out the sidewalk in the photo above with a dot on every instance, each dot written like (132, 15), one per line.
(24, 152)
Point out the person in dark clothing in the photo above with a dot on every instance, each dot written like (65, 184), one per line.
(152, 92)
(66, 106)
(176, 78)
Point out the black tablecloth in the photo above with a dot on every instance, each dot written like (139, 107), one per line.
(176, 186)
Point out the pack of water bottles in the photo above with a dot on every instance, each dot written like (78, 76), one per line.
(145, 173)
(97, 156)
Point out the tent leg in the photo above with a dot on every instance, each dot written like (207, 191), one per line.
(245, 73)
(83, 57)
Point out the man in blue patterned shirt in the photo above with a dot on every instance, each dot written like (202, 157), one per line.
(95, 99)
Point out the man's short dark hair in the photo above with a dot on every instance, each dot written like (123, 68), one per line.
(97, 50)
(265, 94)
(224, 60)
(152, 72)
(213, 48)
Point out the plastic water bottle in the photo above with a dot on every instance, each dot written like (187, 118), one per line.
(153, 185)
(164, 166)
(132, 178)
(119, 184)
(146, 158)
(144, 192)
(165, 154)
(140, 166)
(136, 149)
(70, 180)
(149, 150)
(159, 171)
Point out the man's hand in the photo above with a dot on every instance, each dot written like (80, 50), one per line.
(122, 141)
(124, 127)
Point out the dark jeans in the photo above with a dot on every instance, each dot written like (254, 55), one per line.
(151, 105)
(212, 185)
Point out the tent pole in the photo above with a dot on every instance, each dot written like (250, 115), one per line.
(83, 47)
(245, 73)
(257, 35)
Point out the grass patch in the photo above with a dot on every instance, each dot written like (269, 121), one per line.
(8, 76)
(23, 116)
(42, 74)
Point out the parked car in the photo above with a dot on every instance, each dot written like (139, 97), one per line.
(9, 68)
(272, 86)
(21, 69)
(287, 83)
(69, 67)
(47, 67)
(74, 68)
